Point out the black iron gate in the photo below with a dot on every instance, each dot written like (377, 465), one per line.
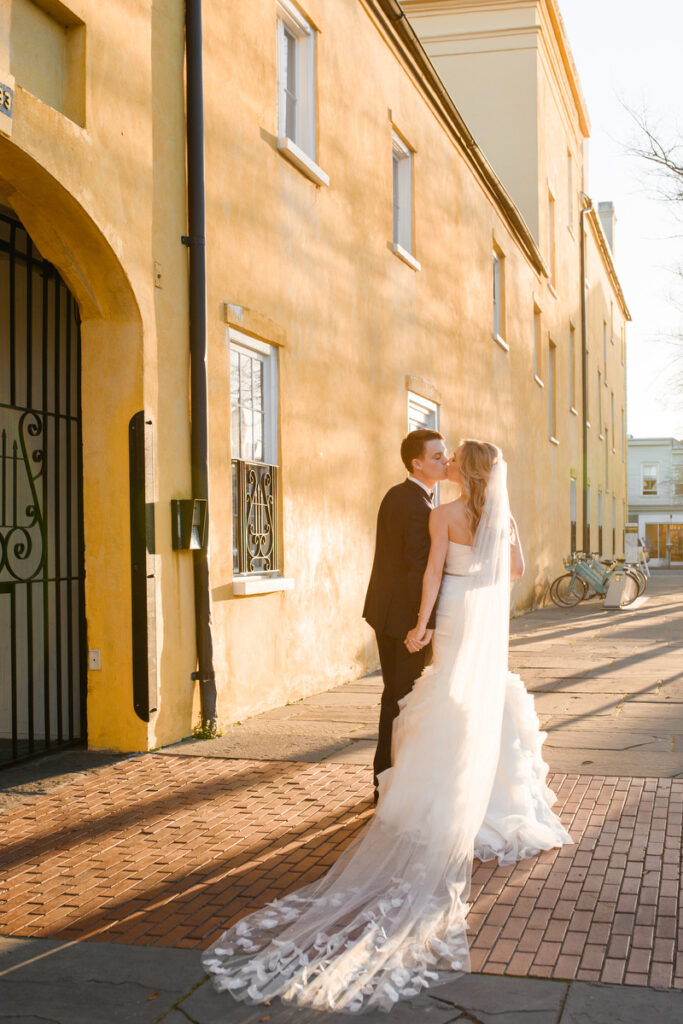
(42, 621)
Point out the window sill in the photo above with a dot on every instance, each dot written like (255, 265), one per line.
(503, 344)
(243, 586)
(573, 411)
(551, 289)
(601, 437)
(539, 381)
(553, 440)
(296, 156)
(570, 229)
(407, 257)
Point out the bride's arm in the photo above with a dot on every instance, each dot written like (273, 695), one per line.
(516, 553)
(431, 581)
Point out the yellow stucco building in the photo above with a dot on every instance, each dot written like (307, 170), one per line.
(385, 246)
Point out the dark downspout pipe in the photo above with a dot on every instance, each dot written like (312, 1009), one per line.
(199, 441)
(584, 376)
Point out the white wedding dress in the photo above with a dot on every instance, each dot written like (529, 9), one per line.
(468, 780)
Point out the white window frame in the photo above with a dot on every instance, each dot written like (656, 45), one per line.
(570, 191)
(551, 241)
(498, 280)
(426, 409)
(537, 346)
(643, 474)
(298, 145)
(240, 342)
(402, 201)
(572, 368)
(552, 388)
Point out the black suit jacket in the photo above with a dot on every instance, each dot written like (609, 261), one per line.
(392, 602)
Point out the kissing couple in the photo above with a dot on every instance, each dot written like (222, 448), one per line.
(458, 768)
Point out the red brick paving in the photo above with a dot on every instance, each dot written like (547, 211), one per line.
(165, 850)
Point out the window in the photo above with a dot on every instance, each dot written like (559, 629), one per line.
(296, 91)
(551, 239)
(537, 346)
(604, 347)
(600, 424)
(606, 460)
(570, 191)
(623, 436)
(613, 434)
(402, 168)
(599, 522)
(678, 481)
(611, 322)
(614, 527)
(552, 387)
(572, 515)
(253, 429)
(499, 296)
(649, 472)
(422, 413)
(572, 366)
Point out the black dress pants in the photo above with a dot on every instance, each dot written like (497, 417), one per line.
(400, 669)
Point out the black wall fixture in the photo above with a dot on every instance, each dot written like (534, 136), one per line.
(143, 606)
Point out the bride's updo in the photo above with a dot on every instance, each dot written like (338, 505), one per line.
(477, 459)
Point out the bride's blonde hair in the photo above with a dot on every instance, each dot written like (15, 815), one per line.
(477, 459)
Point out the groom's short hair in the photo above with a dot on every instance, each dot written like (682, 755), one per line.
(413, 445)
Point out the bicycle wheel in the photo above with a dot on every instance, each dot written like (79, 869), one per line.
(640, 576)
(567, 590)
(632, 588)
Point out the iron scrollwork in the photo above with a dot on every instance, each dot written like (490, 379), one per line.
(22, 534)
(255, 522)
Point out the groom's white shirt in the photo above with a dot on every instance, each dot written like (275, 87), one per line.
(420, 484)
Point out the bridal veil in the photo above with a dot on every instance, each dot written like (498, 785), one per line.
(390, 916)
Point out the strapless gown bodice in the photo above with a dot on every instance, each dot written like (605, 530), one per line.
(459, 559)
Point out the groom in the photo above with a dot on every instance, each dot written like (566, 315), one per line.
(395, 588)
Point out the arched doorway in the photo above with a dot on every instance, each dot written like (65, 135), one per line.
(42, 619)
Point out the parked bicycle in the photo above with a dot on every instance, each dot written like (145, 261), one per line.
(588, 576)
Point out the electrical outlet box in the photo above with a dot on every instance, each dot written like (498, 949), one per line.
(94, 660)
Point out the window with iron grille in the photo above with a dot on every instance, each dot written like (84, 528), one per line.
(253, 413)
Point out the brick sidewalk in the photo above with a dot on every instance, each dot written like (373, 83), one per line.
(164, 850)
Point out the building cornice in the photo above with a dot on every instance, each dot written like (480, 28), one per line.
(553, 17)
(606, 256)
(557, 23)
(400, 34)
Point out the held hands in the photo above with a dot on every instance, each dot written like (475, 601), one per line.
(418, 638)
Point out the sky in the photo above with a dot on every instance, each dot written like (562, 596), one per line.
(628, 54)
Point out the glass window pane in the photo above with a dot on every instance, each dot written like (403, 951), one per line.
(247, 434)
(235, 433)
(257, 437)
(245, 380)
(257, 384)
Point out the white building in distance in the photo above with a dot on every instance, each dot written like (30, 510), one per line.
(655, 496)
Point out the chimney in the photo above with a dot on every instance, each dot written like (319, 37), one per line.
(608, 220)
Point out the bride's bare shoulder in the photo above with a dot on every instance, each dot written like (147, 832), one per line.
(458, 523)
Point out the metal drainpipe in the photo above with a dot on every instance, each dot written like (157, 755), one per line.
(199, 440)
(584, 374)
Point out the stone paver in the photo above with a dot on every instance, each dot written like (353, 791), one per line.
(137, 857)
(165, 850)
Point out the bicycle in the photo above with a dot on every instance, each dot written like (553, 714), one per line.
(634, 570)
(588, 574)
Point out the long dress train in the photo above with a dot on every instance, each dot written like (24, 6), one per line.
(468, 779)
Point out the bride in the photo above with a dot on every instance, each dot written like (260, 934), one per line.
(467, 780)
